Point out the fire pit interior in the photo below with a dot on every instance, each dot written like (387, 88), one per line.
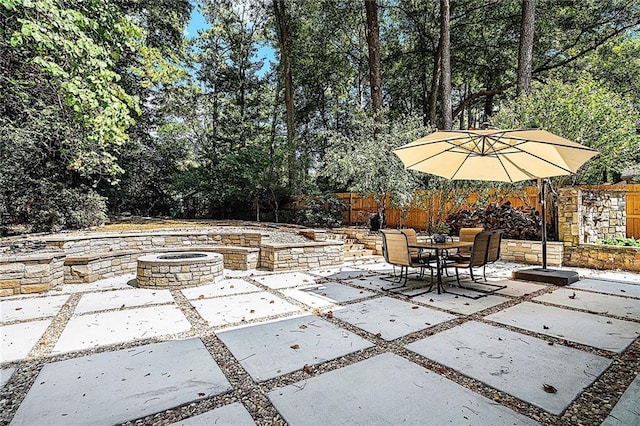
(179, 269)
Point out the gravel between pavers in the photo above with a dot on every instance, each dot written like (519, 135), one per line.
(590, 408)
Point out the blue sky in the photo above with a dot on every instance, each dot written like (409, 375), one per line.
(197, 22)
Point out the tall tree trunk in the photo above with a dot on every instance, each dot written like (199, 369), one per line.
(285, 62)
(445, 80)
(435, 83)
(373, 42)
(525, 52)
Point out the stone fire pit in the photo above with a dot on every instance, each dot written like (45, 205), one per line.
(179, 269)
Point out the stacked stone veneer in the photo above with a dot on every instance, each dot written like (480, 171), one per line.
(279, 257)
(143, 241)
(155, 271)
(586, 217)
(530, 252)
(31, 273)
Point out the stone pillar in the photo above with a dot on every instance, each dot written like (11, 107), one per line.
(569, 216)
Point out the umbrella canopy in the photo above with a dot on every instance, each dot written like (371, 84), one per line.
(494, 155)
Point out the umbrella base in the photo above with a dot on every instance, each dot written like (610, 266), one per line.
(549, 276)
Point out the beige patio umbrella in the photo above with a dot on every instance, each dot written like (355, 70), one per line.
(494, 155)
(497, 155)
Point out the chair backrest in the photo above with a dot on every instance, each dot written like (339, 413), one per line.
(384, 243)
(396, 248)
(412, 238)
(468, 235)
(493, 252)
(480, 248)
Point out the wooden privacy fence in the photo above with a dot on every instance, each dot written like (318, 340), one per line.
(431, 208)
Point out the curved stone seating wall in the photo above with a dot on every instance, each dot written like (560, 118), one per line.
(279, 257)
(172, 270)
(31, 273)
(144, 241)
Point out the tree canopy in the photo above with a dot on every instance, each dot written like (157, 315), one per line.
(106, 106)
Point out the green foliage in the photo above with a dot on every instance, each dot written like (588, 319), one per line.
(321, 211)
(359, 158)
(586, 112)
(52, 208)
(626, 242)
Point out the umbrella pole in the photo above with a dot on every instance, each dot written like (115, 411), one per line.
(544, 275)
(542, 183)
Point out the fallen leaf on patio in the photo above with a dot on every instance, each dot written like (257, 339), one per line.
(624, 291)
(316, 311)
(201, 394)
(466, 303)
(545, 327)
(430, 300)
(43, 342)
(272, 301)
(324, 294)
(415, 307)
(296, 346)
(232, 286)
(392, 320)
(361, 291)
(18, 309)
(549, 389)
(378, 334)
(609, 322)
(550, 343)
(201, 296)
(307, 369)
(305, 281)
(330, 314)
(252, 311)
(122, 307)
(573, 296)
(303, 326)
(500, 339)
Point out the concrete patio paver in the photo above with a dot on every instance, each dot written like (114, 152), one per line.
(18, 339)
(460, 304)
(5, 375)
(514, 363)
(386, 390)
(233, 415)
(341, 272)
(93, 302)
(279, 347)
(391, 318)
(28, 309)
(327, 294)
(227, 287)
(610, 287)
(603, 332)
(286, 279)
(113, 387)
(242, 307)
(594, 302)
(105, 328)
(627, 411)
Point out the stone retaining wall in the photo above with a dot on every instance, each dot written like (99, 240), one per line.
(530, 252)
(145, 241)
(31, 273)
(279, 257)
(602, 256)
